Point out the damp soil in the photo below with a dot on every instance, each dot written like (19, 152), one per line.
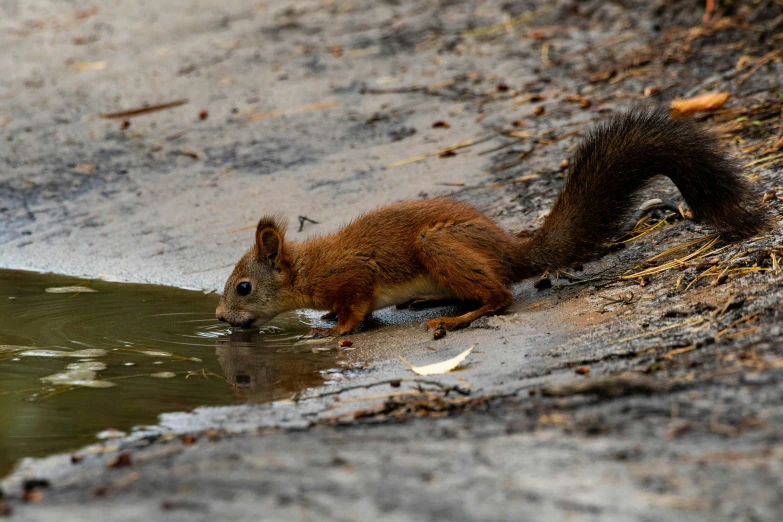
(79, 357)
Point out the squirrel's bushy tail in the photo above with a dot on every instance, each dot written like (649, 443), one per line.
(619, 157)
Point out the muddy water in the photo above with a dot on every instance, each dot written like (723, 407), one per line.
(74, 364)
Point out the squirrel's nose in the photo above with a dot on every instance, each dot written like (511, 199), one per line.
(220, 316)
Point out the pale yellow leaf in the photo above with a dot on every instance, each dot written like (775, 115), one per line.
(441, 367)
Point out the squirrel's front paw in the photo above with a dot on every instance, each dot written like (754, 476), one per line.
(319, 333)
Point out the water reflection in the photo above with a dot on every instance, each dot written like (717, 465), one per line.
(259, 371)
(75, 364)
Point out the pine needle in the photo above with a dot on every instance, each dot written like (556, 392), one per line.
(711, 240)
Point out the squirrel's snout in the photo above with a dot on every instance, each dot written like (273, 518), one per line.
(220, 315)
(233, 320)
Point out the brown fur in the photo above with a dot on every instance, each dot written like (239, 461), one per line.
(448, 249)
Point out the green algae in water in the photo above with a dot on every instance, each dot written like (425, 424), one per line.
(75, 364)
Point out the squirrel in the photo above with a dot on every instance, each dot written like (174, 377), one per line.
(447, 249)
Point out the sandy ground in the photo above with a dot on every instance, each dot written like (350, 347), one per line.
(312, 109)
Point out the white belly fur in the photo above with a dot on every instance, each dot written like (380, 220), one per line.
(396, 294)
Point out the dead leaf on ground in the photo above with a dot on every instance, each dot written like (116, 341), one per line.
(441, 367)
(89, 66)
(85, 168)
(705, 102)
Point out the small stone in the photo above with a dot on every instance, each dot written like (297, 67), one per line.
(122, 460)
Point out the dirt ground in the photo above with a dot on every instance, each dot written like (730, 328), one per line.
(650, 397)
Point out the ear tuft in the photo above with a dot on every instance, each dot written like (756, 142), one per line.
(270, 235)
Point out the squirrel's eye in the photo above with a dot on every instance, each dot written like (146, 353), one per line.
(244, 288)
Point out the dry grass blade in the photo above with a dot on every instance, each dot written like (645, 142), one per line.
(711, 240)
(143, 110)
(772, 55)
(504, 26)
(683, 246)
(646, 229)
(690, 322)
(762, 162)
(744, 319)
(456, 146)
(705, 273)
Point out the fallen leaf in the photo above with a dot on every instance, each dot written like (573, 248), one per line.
(583, 101)
(70, 290)
(441, 367)
(85, 168)
(520, 134)
(705, 102)
(556, 419)
(89, 66)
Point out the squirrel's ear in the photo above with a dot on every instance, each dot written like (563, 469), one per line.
(269, 242)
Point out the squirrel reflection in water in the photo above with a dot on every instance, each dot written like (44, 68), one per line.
(259, 371)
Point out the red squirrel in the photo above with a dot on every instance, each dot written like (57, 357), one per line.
(443, 248)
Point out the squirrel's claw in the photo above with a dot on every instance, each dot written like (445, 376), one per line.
(439, 326)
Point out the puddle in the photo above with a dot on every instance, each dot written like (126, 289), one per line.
(74, 363)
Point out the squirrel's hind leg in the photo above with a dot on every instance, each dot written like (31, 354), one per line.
(468, 274)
